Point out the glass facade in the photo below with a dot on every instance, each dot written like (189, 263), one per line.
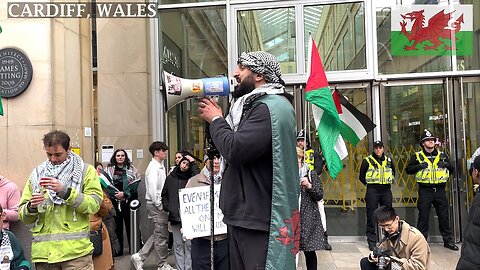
(270, 30)
(339, 30)
(194, 45)
(403, 87)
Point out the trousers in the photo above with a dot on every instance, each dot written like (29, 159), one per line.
(158, 241)
(201, 254)
(82, 263)
(247, 248)
(373, 199)
(428, 196)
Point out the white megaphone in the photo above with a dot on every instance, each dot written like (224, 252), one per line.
(178, 89)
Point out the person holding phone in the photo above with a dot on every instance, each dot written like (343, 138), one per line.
(68, 191)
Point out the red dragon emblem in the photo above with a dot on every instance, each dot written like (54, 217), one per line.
(294, 239)
(437, 28)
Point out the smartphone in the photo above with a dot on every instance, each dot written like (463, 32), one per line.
(42, 180)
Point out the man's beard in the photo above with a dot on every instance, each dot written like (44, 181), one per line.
(246, 86)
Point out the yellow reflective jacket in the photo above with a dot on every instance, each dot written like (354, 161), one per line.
(432, 174)
(62, 232)
(379, 173)
(309, 159)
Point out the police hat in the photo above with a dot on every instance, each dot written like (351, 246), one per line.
(301, 135)
(426, 135)
(377, 144)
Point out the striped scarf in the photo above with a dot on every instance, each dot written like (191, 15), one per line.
(69, 173)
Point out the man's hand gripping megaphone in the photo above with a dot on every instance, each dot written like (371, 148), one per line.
(209, 110)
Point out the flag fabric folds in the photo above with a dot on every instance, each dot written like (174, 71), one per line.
(354, 125)
(325, 113)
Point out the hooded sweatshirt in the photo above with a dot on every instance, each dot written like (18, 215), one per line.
(9, 199)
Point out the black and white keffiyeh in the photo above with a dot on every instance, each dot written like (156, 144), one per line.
(237, 109)
(262, 63)
(6, 252)
(217, 178)
(69, 173)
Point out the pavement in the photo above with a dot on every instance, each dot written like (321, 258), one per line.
(345, 255)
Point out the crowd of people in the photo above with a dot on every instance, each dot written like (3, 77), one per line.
(65, 199)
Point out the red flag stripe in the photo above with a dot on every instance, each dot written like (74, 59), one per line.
(317, 78)
(336, 100)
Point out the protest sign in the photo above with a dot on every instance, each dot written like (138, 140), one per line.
(195, 212)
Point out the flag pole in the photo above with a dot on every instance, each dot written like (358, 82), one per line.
(309, 62)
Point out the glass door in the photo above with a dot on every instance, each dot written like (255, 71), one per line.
(409, 107)
(344, 197)
(467, 91)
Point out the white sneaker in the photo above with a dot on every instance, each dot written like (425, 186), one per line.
(166, 266)
(137, 261)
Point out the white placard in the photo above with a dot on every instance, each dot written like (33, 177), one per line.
(139, 153)
(195, 212)
(107, 152)
(88, 132)
(129, 154)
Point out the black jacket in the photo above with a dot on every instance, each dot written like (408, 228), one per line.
(175, 181)
(246, 193)
(470, 254)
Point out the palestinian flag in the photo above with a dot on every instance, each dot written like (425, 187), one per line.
(432, 30)
(1, 107)
(354, 124)
(325, 114)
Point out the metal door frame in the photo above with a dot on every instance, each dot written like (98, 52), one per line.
(450, 109)
(461, 170)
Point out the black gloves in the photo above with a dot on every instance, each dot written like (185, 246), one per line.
(443, 164)
(423, 165)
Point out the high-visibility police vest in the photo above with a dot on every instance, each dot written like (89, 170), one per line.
(432, 174)
(309, 159)
(379, 173)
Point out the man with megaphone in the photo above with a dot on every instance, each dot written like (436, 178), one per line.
(257, 142)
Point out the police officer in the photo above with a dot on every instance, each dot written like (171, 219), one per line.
(432, 170)
(377, 173)
(315, 161)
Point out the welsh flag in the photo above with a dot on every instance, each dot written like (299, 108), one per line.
(1, 107)
(432, 30)
(325, 114)
(354, 125)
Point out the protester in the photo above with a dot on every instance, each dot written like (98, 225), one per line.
(58, 198)
(170, 202)
(311, 233)
(470, 254)
(154, 181)
(406, 245)
(103, 261)
(121, 181)
(432, 170)
(377, 172)
(315, 161)
(9, 200)
(11, 251)
(184, 153)
(259, 129)
(201, 245)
